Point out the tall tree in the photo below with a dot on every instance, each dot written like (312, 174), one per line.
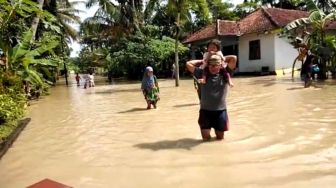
(245, 8)
(181, 11)
(221, 10)
(327, 6)
(65, 14)
(36, 19)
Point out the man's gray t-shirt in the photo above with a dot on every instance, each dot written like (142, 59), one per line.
(213, 92)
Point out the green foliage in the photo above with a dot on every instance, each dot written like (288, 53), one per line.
(10, 83)
(221, 10)
(26, 61)
(245, 8)
(10, 109)
(12, 102)
(32, 61)
(142, 51)
(313, 30)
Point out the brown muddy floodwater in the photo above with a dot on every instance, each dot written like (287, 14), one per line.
(281, 135)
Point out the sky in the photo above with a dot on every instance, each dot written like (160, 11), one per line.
(83, 15)
(90, 12)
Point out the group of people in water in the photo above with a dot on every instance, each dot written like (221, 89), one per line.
(213, 77)
(88, 80)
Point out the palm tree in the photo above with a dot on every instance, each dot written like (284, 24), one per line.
(181, 11)
(36, 19)
(126, 15)
(65, 14)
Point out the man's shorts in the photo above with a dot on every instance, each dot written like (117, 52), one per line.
(213, 119)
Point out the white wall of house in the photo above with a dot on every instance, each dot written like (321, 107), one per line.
(267, 53)
(285, 54)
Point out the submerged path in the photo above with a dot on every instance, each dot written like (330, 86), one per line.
(281, 136)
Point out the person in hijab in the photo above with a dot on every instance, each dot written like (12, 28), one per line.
(150, 88)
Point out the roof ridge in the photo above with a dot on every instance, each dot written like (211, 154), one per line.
(199, 31)
(269, 16)
(203, 28)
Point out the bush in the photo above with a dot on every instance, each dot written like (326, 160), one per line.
(10, 111)
(12, 103)
(142, 51)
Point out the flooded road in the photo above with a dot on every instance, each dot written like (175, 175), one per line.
(281, 135)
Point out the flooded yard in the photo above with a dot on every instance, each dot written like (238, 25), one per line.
(281, 135)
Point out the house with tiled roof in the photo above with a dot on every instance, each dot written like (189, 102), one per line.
(254, 39)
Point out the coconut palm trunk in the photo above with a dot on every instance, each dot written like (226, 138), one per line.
(36, 19)
(135, 17)
(177, 74)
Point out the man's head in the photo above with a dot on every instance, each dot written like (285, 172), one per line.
(214, 63)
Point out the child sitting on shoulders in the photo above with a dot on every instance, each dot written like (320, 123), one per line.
(214, 49)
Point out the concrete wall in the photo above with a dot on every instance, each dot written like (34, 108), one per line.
(267, 53)
(285, 54)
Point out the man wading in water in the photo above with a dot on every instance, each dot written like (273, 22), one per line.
(213, 112)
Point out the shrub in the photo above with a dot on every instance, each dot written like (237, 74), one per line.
(12, 103)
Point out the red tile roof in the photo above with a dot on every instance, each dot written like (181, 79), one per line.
(226, 27)
(256, 22)
(263, 19)
(220, 28)
(202, 34)
(282, 17)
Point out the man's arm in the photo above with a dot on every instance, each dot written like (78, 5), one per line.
(231, 61)
(191, 65)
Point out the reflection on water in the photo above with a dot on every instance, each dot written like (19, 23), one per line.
(281, 136)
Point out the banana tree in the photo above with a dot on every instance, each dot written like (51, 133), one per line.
(316, 25)
(12, 22)
(25, 60)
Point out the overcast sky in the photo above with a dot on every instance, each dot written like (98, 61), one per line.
(90, 12)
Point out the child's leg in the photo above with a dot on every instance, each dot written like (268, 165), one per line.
(203, 79)
(148, 104)
(154, 104)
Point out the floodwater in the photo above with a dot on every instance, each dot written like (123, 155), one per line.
(281, 135)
